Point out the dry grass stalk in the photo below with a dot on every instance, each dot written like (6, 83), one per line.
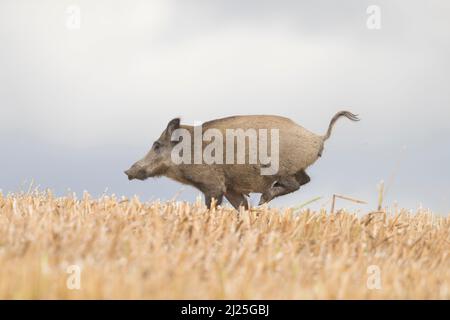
(335, 196)
(130, 249)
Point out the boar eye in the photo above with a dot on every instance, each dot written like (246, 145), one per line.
(156, 146)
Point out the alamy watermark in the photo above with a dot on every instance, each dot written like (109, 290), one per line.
(231, 149)
(374, 19)
(74, 279)
(374, 277)
(73, 17)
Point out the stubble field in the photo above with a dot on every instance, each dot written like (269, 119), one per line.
(122, 248)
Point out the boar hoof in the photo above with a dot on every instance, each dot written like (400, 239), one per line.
(264, 199)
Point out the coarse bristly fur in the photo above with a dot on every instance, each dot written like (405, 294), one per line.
(298, 149)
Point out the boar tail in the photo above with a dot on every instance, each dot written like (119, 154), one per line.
(346, 114)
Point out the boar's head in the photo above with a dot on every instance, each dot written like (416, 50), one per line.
(158, 160)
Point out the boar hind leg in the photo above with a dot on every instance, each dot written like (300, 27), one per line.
(302, 177)
(283, 186)
(209, 196)
(236, 199)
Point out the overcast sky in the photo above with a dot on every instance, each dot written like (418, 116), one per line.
(79, 105)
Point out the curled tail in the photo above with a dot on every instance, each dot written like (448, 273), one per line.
(346, 114)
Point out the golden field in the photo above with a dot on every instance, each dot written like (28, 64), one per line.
(128, 249)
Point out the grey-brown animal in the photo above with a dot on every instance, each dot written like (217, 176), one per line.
(298, 149)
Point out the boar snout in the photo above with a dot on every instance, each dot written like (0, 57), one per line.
(129, 174)
(136, 172)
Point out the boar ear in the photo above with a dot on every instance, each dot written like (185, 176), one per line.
(172, 126)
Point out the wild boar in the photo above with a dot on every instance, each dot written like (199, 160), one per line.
(296, 149)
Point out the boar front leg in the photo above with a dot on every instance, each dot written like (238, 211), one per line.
(210, 195)
(236, 199)
(283, 186)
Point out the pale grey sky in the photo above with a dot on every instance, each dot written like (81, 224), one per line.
(78, 106)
